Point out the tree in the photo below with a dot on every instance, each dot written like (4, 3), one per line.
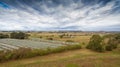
(61, 36)
(18, 35)
(95, 43)
(112, 41)
(13, 35)
(117, 38)
(50, 38)
(108, 48)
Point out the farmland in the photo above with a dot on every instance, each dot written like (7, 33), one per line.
(35, 42)
(67, 58)
(9, 44)
(26, 43)
(74, 58)
(41, 40)
(59, 33)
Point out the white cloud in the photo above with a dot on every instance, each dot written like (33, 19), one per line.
(85, 18)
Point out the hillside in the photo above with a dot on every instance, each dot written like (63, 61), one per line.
(74, 58)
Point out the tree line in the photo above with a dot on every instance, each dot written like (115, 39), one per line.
(14, 35)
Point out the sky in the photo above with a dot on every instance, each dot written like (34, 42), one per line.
(54, 15)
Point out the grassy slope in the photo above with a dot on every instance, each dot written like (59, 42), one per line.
(76, 58)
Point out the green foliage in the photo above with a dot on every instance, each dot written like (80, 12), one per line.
(95, 43)
(49, 38)
(108, 48)
(117, 37)
(69, 41)
(41, 37)
(61, 36)
(113, 42)
(18, 35)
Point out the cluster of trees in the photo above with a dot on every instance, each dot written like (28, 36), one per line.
(18, 35)
(65, 35)
(27, 52)
(15, 35)
(97, 43)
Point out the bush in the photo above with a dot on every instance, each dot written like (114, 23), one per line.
(49, 38)
(69, 41)
(95, 43)
(18, 35)
(108, 48)
(61, 36)
(113, 41)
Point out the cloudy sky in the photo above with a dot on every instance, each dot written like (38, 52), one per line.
(51, 15)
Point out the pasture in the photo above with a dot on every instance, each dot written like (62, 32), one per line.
(74, 36)
(72, 58)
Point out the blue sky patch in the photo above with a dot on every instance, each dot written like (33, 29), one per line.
(3, 5)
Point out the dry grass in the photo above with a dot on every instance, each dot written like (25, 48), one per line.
(77, 37)
(75, 58)
(80, 58)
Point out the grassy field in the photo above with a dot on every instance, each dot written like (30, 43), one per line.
(76, 37)
(79, 37)
(75, 58)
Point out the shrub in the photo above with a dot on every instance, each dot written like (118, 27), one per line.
(111, 44)
(62, 35)
(49, 38)
(108, 48)
(41, 37)
(18, 35)
(95, 43)
(113, 41)
(117, 38)
(69, 41)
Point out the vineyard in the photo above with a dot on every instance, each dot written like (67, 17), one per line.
(10, 44)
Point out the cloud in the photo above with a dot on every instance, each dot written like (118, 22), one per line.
(60, 15)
